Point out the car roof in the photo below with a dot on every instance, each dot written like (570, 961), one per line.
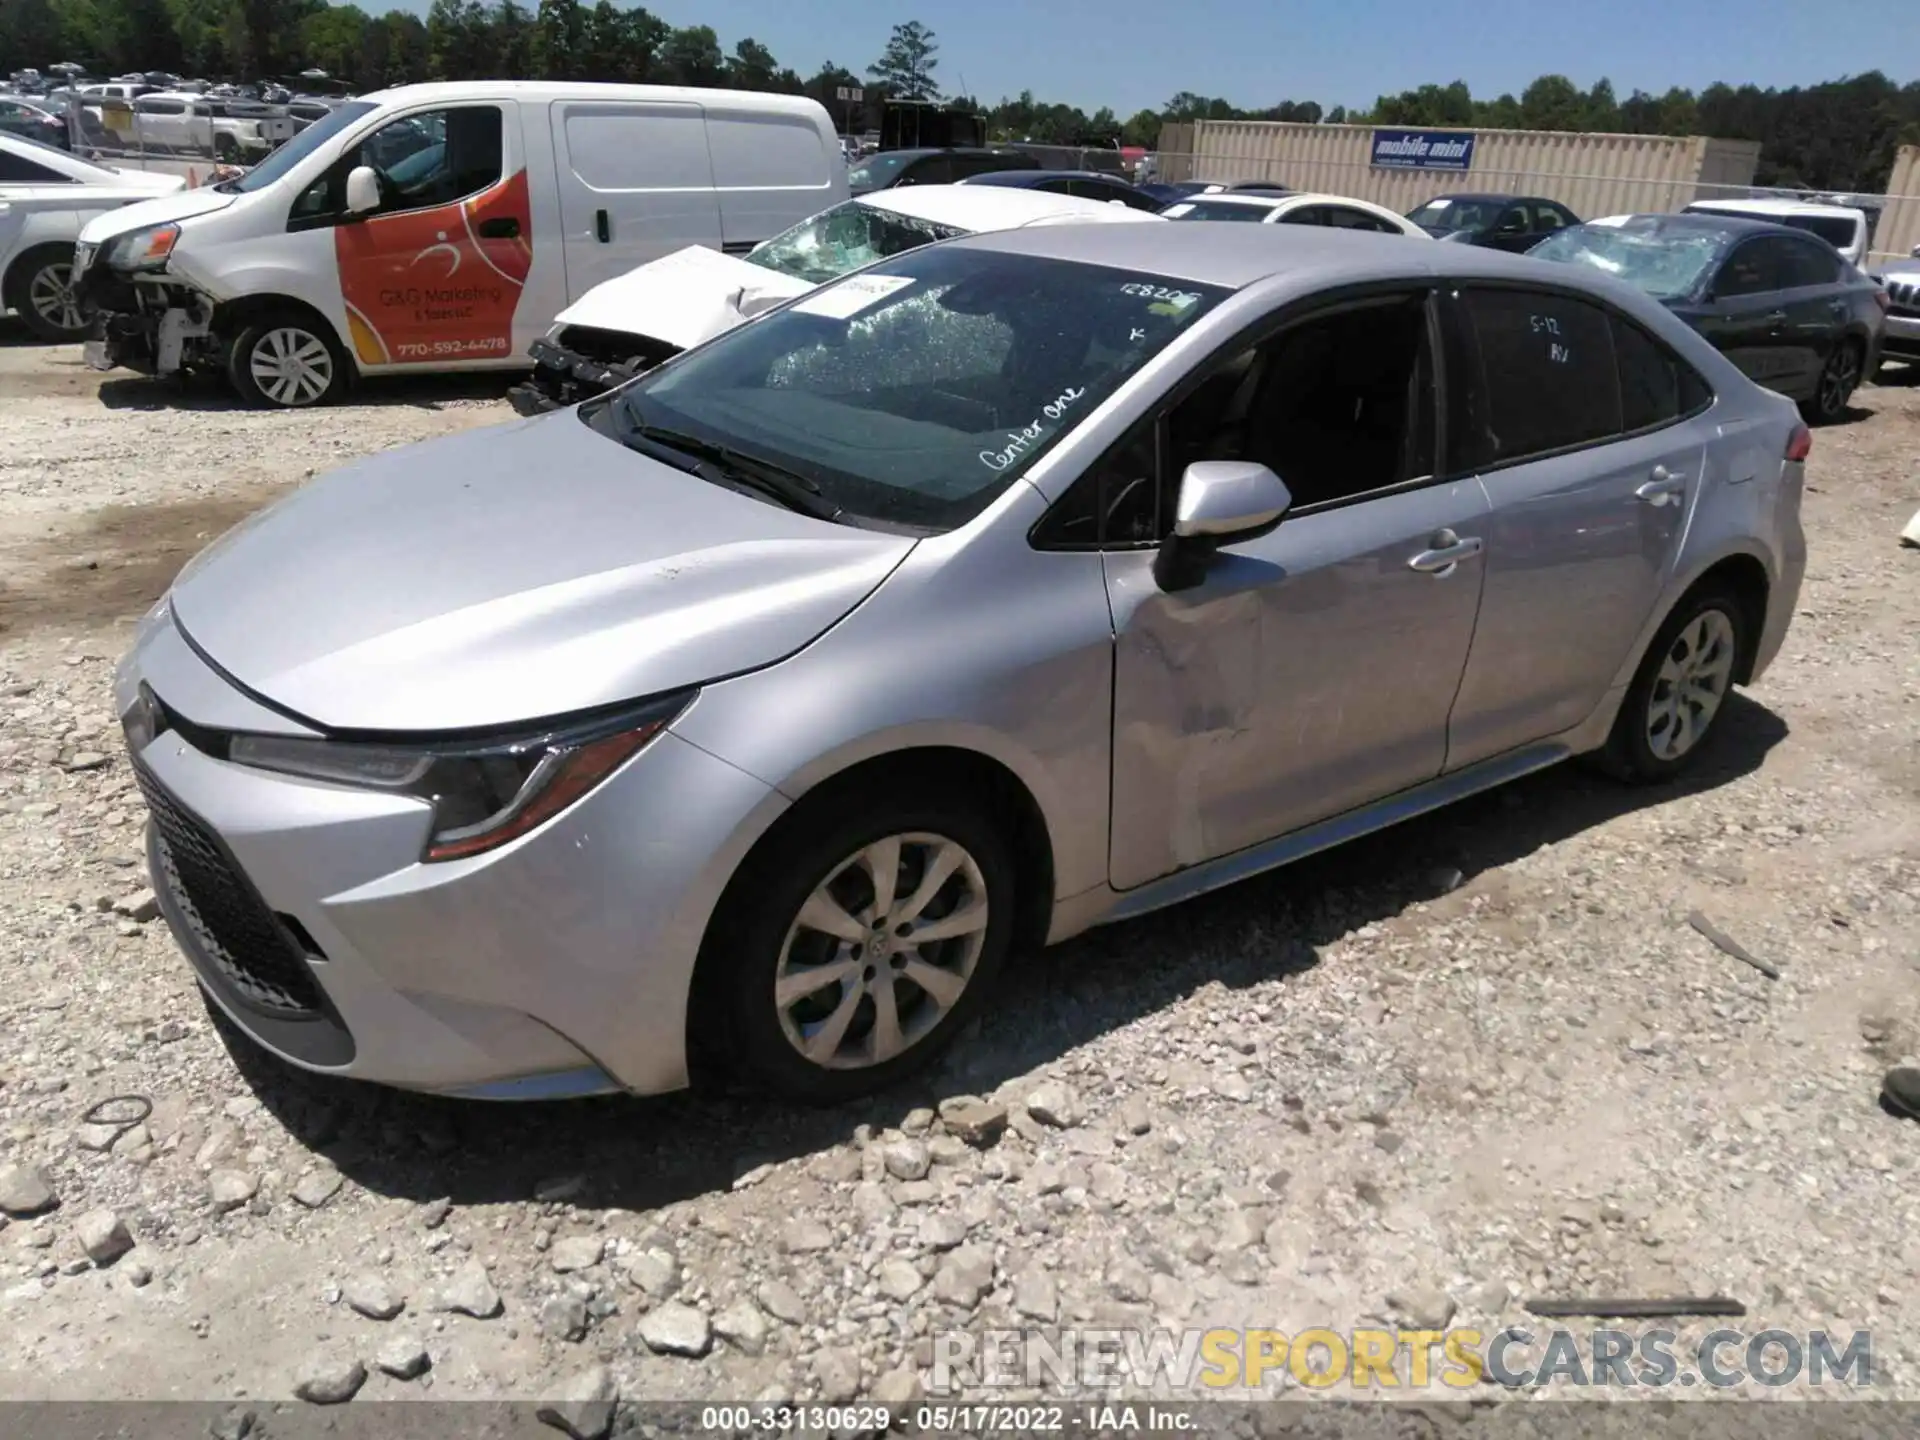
(538, 90)
(1777, 207)
(1241, 198)
(1733, 227)
(1237, 256)
(1498, 197)
(915, 152)
(1018, 179)
(992, 207)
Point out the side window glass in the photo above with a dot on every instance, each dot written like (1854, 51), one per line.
(1752, 269)
(1305, 215)
(1541, 377)
(1657, 387)
(1513, 220)
(935, 170)
(1337, 405)
(421, 161)
(1547, 219)
(1811, 264)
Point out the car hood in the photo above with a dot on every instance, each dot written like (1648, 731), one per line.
(683, 299)
(182, 205)
(509, 574)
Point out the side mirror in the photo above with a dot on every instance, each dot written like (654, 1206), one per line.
(363, 190)
(1221, 502)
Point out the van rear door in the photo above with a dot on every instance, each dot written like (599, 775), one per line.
(636, 183)
(772, 171)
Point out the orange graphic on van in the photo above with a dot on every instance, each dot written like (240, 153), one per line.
(429, 286)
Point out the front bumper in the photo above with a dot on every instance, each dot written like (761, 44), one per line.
(1901, 339)
(149, 328)
(563, 376)
(558, 965)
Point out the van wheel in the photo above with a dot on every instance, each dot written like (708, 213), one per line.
(1673, 707)
(41, 288)
(852, 949)
(286, 362)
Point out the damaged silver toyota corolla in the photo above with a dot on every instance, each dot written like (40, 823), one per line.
(745, 720)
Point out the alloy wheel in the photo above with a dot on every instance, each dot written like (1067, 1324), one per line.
(1693, 680)
(55, 299)
(1839, 380)
(881, 951)
(291, 366)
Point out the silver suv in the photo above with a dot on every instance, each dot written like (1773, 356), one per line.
(1901, 281)
(750, 717)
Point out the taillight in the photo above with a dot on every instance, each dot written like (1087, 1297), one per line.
(1800, 443)
(1882, 299)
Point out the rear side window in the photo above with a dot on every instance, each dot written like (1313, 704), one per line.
(1540, 376)
(769, 152)
(1839, 231)
(1341, 218)
(1810, 264)
(18, 170)
(934, 170)
(1657, 387)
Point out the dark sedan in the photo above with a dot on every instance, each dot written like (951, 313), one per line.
(1499, 222)
(888, 168)
(1087, 184)
(34, 122)
(1780, 303)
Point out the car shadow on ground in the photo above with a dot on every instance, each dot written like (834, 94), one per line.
(205, 392)
(640, 1154)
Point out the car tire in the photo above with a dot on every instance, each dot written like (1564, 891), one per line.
(285, 361)
(1839, 378)
(755, 1007)
(1673, 708)
(40, 290)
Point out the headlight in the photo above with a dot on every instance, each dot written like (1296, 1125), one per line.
(483, 793)
(143, 249)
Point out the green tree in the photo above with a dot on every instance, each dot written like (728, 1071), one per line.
(513, 40)
(692, 57)
(1552, 103)
(559, 38)
(333, 39)
(751, 66)
(906, 66)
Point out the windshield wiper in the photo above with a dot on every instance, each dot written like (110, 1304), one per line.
(722, 465)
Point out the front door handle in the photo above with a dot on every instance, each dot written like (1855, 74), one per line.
(602, 227)
(499, 227)
(1664, 488)
(1446, 550)
(1776, 319)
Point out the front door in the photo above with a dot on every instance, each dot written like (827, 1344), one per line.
(1748, 319)
(1313, 669)
(435, 275)
(1578, 423)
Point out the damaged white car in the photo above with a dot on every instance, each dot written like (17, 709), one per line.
(629, 324)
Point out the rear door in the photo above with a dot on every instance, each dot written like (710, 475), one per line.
(771, 171)
(636, 183)
(1585, 431)
(1816, 305)
(1746, 317)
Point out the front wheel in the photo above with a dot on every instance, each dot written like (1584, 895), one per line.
(1672, 709)
(286, 362)
(47, 297)
(1839, 378)
(866, 937)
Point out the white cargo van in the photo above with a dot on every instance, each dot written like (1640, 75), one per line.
(442, 227)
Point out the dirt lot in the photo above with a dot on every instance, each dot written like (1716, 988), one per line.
(1476, 1060)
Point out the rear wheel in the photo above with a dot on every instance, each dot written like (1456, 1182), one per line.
(1672, 709)
(286, 361)
(860, 942)
(1839, 378)
(44, 293)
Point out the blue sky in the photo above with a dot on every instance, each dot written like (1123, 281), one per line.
(1133, 54)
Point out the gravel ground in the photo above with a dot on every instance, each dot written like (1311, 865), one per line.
(1478, 1059)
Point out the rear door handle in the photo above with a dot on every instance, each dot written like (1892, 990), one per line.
(1447, 550)
(1665, 487)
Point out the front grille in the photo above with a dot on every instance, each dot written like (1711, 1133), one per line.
(236, 930)
(1905, 295)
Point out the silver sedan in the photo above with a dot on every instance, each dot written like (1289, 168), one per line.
(751, 716)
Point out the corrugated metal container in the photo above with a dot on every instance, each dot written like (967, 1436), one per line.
(1590, 174)
(1899, 228)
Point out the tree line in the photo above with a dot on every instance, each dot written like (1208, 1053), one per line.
(1840, 135)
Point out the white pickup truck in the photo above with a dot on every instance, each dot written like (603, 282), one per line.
(229, 130)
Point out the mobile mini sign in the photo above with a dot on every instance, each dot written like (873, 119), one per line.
(1422, 150)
